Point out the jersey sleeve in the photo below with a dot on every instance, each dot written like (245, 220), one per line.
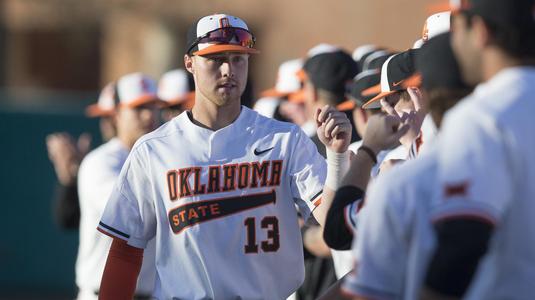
(129, 213)
(377, 247)
(474, 171)
(307, 170)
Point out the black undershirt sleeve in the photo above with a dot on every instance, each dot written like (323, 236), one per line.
(67, 206)
(461, 242)
(336, 234)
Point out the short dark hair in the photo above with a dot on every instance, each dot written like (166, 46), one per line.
(515, 41)
(331, 98)
(442, 99)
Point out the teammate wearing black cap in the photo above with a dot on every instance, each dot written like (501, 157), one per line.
(484, 225)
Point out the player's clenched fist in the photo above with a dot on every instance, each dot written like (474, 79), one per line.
(334, 128)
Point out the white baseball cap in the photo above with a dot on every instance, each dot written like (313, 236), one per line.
(105, 105)
(435, 25)
(136, 89)
(361, 51)
(322, 48)
(267, 106)
(174, 89)
(288, 80)
(418, 44)
(219, 33)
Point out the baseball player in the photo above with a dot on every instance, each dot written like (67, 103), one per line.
(66, 154)
(135, 114)
(396, 216)
(216, 187)
(174, 88)
(484, 212)
(274, 102)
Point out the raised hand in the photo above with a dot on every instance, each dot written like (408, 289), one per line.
(334, 128)
(383, 132)
(66, 154)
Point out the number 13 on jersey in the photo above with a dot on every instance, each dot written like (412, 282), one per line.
(270, 225)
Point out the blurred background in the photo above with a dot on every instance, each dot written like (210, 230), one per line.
(55, 56)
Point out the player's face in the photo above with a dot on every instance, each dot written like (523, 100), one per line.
(221, 78)
(132, 123)
(464, 45)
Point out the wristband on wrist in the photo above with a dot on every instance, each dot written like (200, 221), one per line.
(337, 166)
(370, 153)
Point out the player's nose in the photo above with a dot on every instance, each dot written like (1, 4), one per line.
(227, 69)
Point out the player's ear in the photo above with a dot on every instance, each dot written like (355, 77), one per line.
(188, 63)
(482, 32)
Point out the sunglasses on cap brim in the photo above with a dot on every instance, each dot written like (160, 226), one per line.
(226, 35)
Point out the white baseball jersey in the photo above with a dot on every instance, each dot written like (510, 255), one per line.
(487, 171)
(395, 238)
(97, 175)
(221, 206)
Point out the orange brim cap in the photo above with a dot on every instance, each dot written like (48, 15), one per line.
(413, 81)
(346, 105)
(218, 48)
(297, 97)
(374, 90)
(273, 93)
(302, 75)
(438, 7)
(378, 98)
(94, 111)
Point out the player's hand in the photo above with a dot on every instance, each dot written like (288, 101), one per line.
(66, 154)
(414, 119)
(334, 128)
(383, 132)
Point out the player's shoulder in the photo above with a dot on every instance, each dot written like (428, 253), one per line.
(109, 150)
(407, 178)
(108, 155)
(404, 189)
(169, 130)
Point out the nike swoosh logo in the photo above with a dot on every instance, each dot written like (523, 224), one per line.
(397, 83)
(256, 152)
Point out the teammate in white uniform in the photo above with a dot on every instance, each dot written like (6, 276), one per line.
(216, 186)
(395, 237)
(482, 217)
(486, 168)
(135, 115)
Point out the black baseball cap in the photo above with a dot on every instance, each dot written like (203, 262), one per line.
(363, 81)
(376, 60)
(511, 13)
(438, 66)
(331, 71)
(396, 70)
